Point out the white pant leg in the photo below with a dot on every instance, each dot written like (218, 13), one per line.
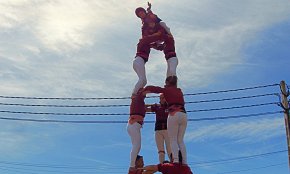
(159, 139)
(172, 128)
(139, 68)
(171, 66)
(167, 144)
(163, 24)
(181, 131)
(135, 135)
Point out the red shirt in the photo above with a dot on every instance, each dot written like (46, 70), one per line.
(137, 106)
(172, 95)
(161, 112)
(174, 168)
(147, 31)
(138, 171)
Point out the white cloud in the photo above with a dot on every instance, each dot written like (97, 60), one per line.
(240, 132)
(68, 47)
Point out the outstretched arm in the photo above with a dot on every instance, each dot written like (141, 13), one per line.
(148, 108)
(150, 169)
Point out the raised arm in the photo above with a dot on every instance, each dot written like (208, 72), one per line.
(149, 7)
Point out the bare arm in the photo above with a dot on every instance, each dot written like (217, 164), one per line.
(150, 169)
(148, 108)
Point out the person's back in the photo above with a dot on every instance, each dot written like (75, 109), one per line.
(174, 168)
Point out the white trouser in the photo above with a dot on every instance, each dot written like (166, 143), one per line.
(135, 135)
(176, 126)
(139, 68)
(163, 24)
(171, 66)
(161, 137)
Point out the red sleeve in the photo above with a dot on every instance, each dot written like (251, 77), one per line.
(153, 16)
(162, 168)
(154, 108)
(154, 89)
(144, 31)
(139, 171)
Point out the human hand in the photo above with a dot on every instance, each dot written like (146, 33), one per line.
(149, 5)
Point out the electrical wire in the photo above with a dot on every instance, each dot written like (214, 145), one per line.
(125, 121)
(36, 167)
(126, 105)
(122, 114)
(255, 168)
(116, 98)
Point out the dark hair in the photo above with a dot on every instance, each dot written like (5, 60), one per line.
(138, 157)
(165, 162)
(171, 80)
(138, 10)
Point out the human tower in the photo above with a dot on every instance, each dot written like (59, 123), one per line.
(171, 118)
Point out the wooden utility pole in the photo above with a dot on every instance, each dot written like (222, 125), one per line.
(284, 95)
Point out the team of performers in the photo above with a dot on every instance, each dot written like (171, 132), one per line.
(171, 118)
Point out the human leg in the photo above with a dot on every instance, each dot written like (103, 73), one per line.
(139, 68)
(182, 120)
(171, 66)
(134, 131)
(172, 128)
(167, 144)
(160, 145)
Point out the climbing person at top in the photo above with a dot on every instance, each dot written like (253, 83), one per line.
(154, 35)
(145, 14)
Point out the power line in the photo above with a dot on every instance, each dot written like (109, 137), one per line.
(235, 116)
(234, 98)
(237, 158)
(36, 167)
(126, 105)
(116, 98)
(119, 114)
(234, 90)
(234, 107)
(256, 168)
(125, 121)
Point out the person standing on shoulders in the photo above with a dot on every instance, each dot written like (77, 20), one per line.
(161, 134)
(177, 118)
(134, 125)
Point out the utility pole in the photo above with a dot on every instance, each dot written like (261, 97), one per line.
(285, 105)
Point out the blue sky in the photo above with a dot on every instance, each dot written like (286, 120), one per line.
(78, 48)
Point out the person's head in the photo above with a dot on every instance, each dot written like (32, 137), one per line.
(171, 81)
(166, 162)
(140, 12)
(162, 99)
(139, 163)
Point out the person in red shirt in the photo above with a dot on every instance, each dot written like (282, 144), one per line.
(161, 134)
(139, 164)
(168, 168)
(145, 14)
(154, 32)
(135, 122)
(177, 119)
